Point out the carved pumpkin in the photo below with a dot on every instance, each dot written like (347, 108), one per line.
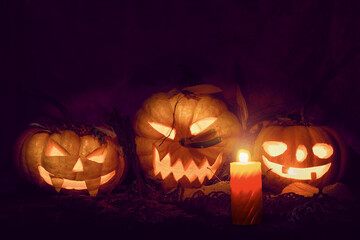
(314, 155)
(184, 138)
(70, 162)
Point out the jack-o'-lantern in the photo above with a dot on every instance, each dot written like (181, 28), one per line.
(70, 162)
(315, 155)
(184, 138)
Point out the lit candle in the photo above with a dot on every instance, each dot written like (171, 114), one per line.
(246, 191)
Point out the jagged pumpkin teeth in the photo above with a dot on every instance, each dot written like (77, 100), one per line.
(56, 182)
(178, 170)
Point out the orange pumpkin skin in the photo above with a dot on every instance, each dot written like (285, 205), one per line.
(307, 158)
(164, 154)
(68, 163)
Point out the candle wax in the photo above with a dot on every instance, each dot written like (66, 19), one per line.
(246, 193)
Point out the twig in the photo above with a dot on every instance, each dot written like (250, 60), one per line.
(173, 123)
(214, 174)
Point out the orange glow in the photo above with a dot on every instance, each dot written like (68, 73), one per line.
(98, 155)
(191, 171)
(274, 148)
(201, 125)
(78, 166)
(72, 184)
(297, 173)
(244, 155)
(104, 179)
(164, 130)
(323, 150)
(45, 175)
(55, 150)
(301, 153)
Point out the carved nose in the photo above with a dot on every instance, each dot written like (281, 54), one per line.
(78, 166)
(301, 153)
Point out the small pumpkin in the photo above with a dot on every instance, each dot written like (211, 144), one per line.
(184, 137)
(70, 162)
(315, 155)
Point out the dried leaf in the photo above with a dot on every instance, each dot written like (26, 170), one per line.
(339, 191)
(300, 188)
(242, 108)
(37, 125)
(259, 126)
(203, 89)
(106, 131)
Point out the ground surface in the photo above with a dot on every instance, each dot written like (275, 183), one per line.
(27, 212)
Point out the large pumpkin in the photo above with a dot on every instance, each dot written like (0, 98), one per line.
(315, 155)
(70, 162)
(184, 138)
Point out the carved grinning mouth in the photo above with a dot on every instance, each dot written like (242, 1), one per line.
(191, 171)
(72, 184)
(311, 173)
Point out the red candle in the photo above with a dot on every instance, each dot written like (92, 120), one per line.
(246, 191)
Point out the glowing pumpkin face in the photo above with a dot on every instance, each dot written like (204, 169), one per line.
(70, 163)
(183, 139)
(314, 155)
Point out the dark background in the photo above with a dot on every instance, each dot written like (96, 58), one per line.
(93, 56)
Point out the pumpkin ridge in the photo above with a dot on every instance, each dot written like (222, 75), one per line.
(24, 165)
(343, 151)
(28, 166)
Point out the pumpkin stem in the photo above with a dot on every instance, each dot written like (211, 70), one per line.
(38, 125)
(202, 140)
(187, 142)
(204, 136)
(304, 119)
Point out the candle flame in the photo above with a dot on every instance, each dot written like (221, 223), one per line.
(244, 155)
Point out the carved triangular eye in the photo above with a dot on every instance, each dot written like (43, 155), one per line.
(164, 130)
(199, 126)
(98, 155)
(323, 150)
(274, 148)
(53, 149)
